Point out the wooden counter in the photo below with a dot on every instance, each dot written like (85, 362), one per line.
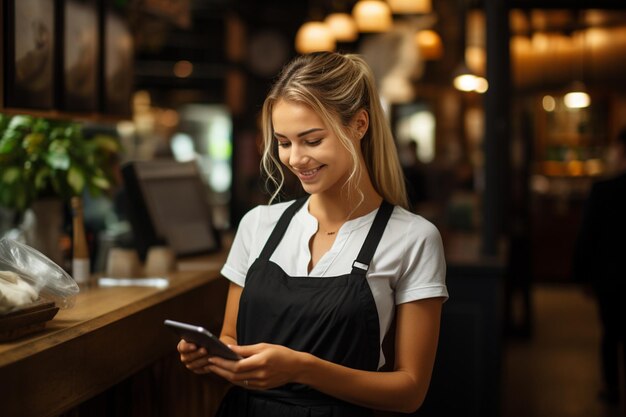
(110, 334)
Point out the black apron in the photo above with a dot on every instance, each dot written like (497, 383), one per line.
(333, 318)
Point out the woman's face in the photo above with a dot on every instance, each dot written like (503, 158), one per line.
(309, 148)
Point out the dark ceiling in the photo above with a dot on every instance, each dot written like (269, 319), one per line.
(160, 43)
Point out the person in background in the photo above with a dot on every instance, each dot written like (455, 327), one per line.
(316, 283)
(599, 264)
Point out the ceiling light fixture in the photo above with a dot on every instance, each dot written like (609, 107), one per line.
(410, 6)
(343, 27)
(429, 44)
(372, 16)
(314, 37)
(577, 97)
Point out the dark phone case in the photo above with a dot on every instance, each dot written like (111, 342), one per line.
(202, 337)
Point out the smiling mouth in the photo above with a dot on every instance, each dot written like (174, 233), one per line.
(309, 173)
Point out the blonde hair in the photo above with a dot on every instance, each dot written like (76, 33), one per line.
(337, 87)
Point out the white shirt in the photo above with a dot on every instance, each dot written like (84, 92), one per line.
(408, 264)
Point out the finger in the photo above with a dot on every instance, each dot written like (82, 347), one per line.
(184, 346)
(232, 366)
(190, 357)
(246, 379)
(202, 362)
(248, 350)
(206, 369)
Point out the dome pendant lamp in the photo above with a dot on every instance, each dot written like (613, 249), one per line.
(314, 37)
(410, 6)
(372, 16)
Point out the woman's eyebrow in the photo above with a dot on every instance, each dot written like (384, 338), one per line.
(306, 132)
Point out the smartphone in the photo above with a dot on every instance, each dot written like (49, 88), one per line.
(201, 337)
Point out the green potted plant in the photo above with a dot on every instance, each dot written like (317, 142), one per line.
(43, 158)
(43, 164)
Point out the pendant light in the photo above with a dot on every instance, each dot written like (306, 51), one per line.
(314, 37)
(577, 97)
(372, 16)
(429, 44)
(343, 27)
(465, 80)
(410, 6)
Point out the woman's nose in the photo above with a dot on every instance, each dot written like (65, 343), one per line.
(298, 156)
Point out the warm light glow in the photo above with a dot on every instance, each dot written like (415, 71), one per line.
(549, 103)
(343, 27)
(577, 100)
(372, 16)
(520, 44)
(410, 6)
(476, 59)
(540, 41)
(465, 82)
(429, 44)
(183, 69)
(481, 85)
(597, 37)
(314, 37)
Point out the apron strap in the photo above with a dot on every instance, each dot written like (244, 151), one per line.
(281, 228)
(362, 262)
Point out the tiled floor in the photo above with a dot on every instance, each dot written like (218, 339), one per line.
(556, 372)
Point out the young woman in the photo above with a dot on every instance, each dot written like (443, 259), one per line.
(315, 283)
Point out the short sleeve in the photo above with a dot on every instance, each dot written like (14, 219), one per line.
(236, 267)
(424, 267)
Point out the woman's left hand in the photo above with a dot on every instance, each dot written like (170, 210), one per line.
(264, 366)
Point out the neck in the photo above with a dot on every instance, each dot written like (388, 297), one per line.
(338, 207)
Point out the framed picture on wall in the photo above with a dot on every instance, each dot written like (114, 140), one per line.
(118, 65)
(81, 56)
(29, 61)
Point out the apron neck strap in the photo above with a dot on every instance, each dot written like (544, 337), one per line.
(362, 262)
(281, 228)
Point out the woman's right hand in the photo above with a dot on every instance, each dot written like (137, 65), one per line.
(196, 360)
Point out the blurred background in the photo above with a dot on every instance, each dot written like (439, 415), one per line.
(504, 113)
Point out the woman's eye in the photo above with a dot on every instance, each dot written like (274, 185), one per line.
(284, 144)
(314, 142)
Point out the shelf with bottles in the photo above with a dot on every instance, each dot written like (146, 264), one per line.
(570, 142)
(572, 161)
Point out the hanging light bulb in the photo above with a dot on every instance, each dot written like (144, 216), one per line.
(464, 80)
(343, 27)
(429, 44)
(372, 16)
(314, 37)
(410, 6)
(481, 85)
(577, 98)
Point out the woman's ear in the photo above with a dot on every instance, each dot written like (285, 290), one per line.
(360, 123)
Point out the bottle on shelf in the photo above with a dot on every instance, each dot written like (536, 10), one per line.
(80, 252)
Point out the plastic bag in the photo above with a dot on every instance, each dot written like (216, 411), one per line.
(47, 279)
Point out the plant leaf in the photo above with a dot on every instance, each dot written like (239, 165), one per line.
(76, 179)
(40, 178)
(101, 182)
(10, 175)
(58, 160)
(32, 142)
(21, 123)
(10, 140)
